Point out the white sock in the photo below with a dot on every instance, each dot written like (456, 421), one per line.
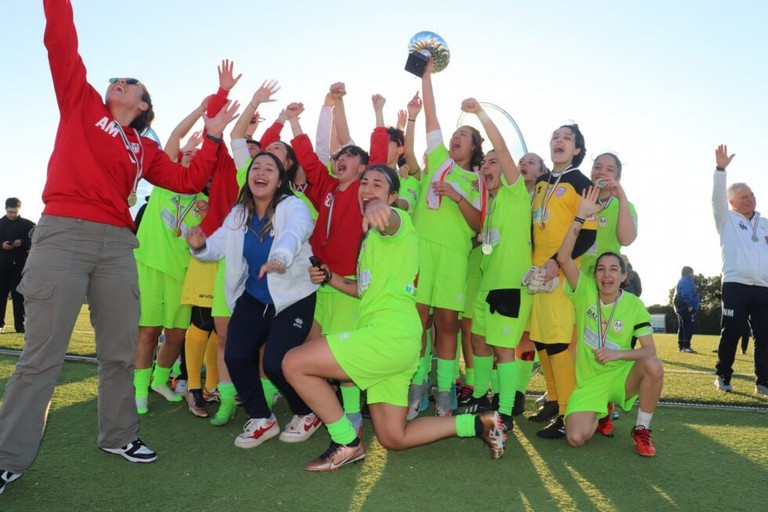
(643, 418)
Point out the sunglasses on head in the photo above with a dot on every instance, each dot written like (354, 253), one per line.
(129, 81)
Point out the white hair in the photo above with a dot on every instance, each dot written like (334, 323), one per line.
(734, 188)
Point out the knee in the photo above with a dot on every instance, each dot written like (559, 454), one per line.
(390, 442)
(575, 440)
(289, 365)
(654, 368)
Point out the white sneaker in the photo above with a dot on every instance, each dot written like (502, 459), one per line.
(136, 451)
(181, 386)
(300, 428)
(256, 431)
(722, 385)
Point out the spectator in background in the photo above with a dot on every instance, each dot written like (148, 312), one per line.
(14, 236)
(687, 304)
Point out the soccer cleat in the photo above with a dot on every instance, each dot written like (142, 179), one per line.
(464, 394)
(136, 451)
(196, 403)
(7, 477)
(519, 406)
(416, 395)
(761, 390)
(723, 385)
(212, 395)
(641, 436)
(474, 406)
(179, 385)
(688, 350)
(167, 393)
(555, 429)
(493, 433)
(301, 428)
(336, 456)
(605, 424)
(256, 431)
(443, 404)
(546, 412)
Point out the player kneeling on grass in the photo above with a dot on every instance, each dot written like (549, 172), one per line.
(607, 369)
(382, 354)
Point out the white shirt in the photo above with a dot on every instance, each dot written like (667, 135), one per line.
(745, 261)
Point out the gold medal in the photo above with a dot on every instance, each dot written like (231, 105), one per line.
(542, 224)
(487, 249)
(177, 231)
(132, 199)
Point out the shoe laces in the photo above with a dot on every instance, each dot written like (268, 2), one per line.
(333, 448)
(255, 424)
(642, 434)
(197, 398)
(298, 421)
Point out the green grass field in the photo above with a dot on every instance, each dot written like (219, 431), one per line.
(708, 459)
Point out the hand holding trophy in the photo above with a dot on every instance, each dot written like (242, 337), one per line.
(421, 46)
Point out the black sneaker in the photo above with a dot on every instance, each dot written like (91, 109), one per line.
(519, 407)
(7, 477)
(546, 412)
(507, 423)
(136, 451)
(474, 406)
(555, 430)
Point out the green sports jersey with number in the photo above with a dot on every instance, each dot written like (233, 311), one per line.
(162, 243)
(507, 227)
(607, 221)
(386, 269)
(626, 320)
(409, 192)
(446, 225)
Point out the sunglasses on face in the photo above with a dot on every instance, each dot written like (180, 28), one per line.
(128, 81)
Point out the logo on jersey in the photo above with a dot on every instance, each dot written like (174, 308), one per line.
(592, 313)
(602, 222)
(328, 199)
(560, 191)
(618, 325)
(298, 323)
(742, 226)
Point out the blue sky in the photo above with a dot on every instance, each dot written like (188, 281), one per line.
(660, 83)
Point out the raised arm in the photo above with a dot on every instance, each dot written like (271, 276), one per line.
(338, 91)
(719, 191)
(626, 230)
(588, 206)
(428, 95)
(324, 129)
(507, 163)
(262, 95)
(378, 109)
(413, 108)
(173, 145)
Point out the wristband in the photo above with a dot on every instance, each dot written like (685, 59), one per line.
(214, 138)
(198, 250)
(254, 107)
(579, 220)
(719, 168)
(460, 199)
(411, 120)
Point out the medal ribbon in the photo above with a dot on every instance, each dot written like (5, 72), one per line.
(604, 334)
(754, 226)
(181, 215)
(138, 160)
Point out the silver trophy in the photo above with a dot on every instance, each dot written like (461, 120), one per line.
(422, 45)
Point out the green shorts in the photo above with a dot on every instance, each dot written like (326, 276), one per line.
(381, 358)
(596, 393)
(506, 325)
(474, 276)
(160, 300)
(336, 311)
(220, 307)
(552, 317)
(442, 279)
